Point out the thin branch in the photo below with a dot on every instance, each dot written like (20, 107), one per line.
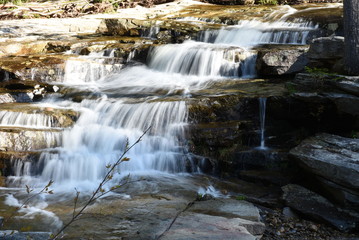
(99, 189)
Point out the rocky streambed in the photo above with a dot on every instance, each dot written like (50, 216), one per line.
(250, 135)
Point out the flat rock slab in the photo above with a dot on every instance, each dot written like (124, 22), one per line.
(15, 235)
(217, 219)
(331, 157)
(317, 207)
(200, 226)
(229, 208)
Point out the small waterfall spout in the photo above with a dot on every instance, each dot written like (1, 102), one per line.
(262, 118)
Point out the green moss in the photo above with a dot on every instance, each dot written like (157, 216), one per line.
(268, 2)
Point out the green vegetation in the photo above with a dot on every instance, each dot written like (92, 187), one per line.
(268, 2)
(291, 88)
(241, 198)
(323, 72)
(15, 2)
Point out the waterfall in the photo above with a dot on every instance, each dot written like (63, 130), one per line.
(33, 120)
(131, 98)
(262, 118)
(88, 69)
(252, 33)
(201, 59)
(100, 135)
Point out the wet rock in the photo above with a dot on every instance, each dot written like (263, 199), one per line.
(314, 206)
(327, 52)
(281, 60)
(26, 140)
(16, 235)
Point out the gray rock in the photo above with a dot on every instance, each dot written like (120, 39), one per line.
(327, 52)
(317, 207)
(281, 60)
(15, 235)
(288, 213)
(327, 48)
(200, 226)
(332, 157)
(227, 208)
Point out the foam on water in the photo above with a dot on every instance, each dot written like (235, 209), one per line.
(34, 209)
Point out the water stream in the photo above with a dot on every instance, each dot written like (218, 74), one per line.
(129, 101)
(123, 100)
(262, 117)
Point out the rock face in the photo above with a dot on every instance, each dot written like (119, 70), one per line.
(334, 161)
(125, 27)
(217, 219)
(342, 91)
(317, 207)
(281, 60)
(327, 52)
(231, 2)
(16, 235)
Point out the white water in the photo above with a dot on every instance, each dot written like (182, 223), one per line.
(28, 120)
(201, 59)
(252, 33)
(262, 118)
(33, 210)
(129, 100)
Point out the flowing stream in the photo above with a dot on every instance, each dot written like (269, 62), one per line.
(131, 98)
(109, 102)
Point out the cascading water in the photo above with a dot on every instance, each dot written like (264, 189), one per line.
(262, 118)
(130, 100)
(101, 133)
(253, 33)
(201, 59)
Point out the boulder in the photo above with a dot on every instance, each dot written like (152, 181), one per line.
(334, 161)
(281, 60)
(314, 206)
(332, 157)
(327, 52)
